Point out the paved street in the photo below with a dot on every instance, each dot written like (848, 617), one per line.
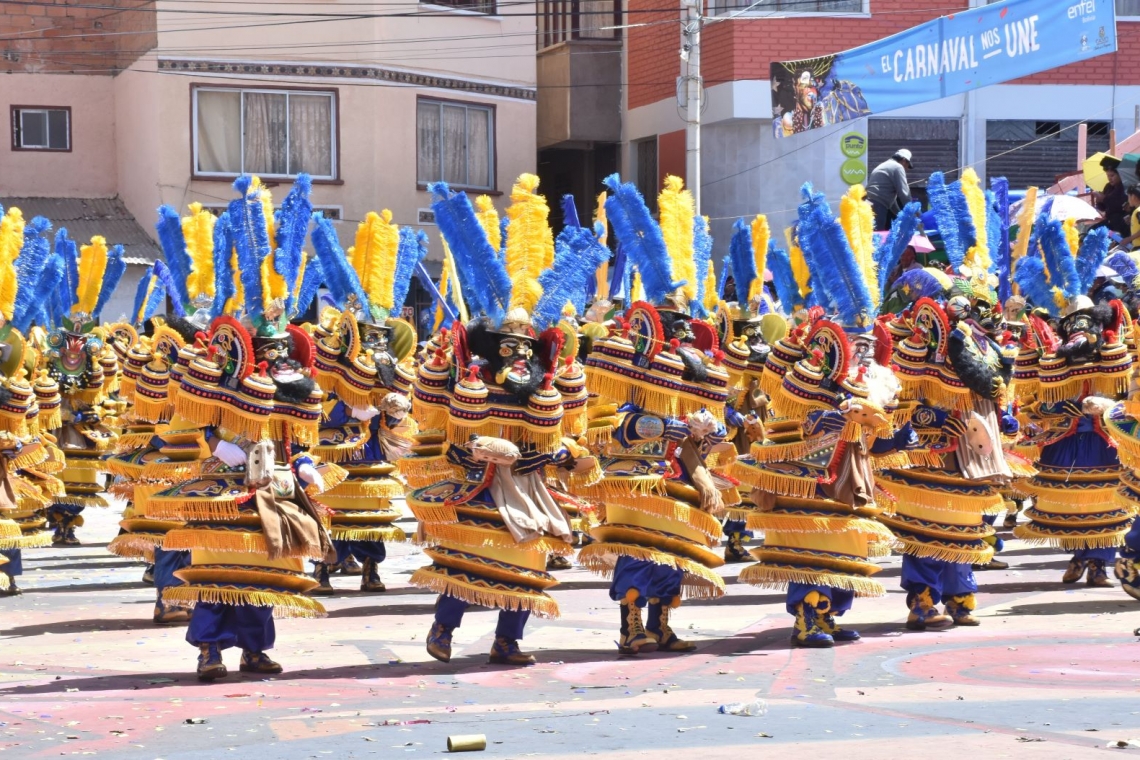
(1052, 672)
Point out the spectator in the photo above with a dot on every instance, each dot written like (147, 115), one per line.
(1113, 201)
(1133, 217)
(887, 188)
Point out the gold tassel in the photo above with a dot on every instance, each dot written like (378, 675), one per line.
(956, 555)
(476, 538)
(536, 602)
(777, 577)
(389, 534)
(284, 604)
(135, 545)
(701, 582)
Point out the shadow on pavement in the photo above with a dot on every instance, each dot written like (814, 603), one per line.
(1084, 607)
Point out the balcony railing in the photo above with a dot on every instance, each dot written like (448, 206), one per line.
(563, 20)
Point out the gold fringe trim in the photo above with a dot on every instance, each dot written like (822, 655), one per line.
(1111, 386)
(135, 545)
(543, 440)
(432, 515)
(777, 483)
(202, 509)
(390, 534)
(430, 416)
(679, 511)
(284, 605)
(52, 420)
(924, 458)
(600, 436)
(945, 553)
(781, 452)
(186, 539)
(152, 411)
(931, 499)
(765, 576)
(700, 583)
(1028, 533)
(37, 540)
(581, 480)
(466, 536)
(132, 442)
(896, 460)
(536, 603)
(817, 524)
(36, 456)
(368, 489)
(618, 488)
(171, 471)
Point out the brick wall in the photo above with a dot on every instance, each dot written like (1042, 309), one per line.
(75, 36)
(745, 48)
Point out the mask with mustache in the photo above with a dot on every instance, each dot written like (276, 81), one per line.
(291, 385)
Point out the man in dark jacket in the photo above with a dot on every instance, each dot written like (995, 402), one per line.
(887, 188)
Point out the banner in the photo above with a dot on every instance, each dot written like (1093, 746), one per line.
(946, 56)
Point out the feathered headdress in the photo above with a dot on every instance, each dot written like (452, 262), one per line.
(677, 209)
(529, 247)
(485, 282)
(1065, 270)
(641, 239)
(891, 248)
(706, 298)
(149, 295)
(374, 259)
(848, 285)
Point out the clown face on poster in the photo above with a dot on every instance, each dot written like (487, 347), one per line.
(946, 56)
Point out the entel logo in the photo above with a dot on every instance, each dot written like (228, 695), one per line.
(1081, 8)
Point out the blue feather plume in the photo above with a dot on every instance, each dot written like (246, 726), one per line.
(967, 234)
(1090, 256)
(113, 273)
(822, 235)
(163, 274)
(1001, 246)
(251, 239)
(504, 228)
(946, 217)
(46, 288)
(411, 251)
(66, 247)
(743, 261)
(783, 279)
(890, 250)
(169, 228)
(617, 273)
(339, 276)
(577, 256)
(1031, 278)
(477, 264)
(224, 288)
(702, 256)
(1059, 260)
(292, 227)
(569, 212)
(311, 282)
(34, 254)
(641, 236)
(140, 295)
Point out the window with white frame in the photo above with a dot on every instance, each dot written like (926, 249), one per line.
(784, 7)
(1128, 8)
(271, 133)
(41, 128)
(455, 143)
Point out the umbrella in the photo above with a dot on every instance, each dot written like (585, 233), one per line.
(1128, 172)
(1094, 172)
(1064, 207)
(920, 243)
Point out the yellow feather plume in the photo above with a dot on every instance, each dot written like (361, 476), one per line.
(300, 274)
(677, 211)
(238, 300)
(1072, 235)
(603, 276)
(711, 296)
(636, 292)
(858, 221)
(530, 243)
(92, 265)
(488, 218)
(978, 257)
(198, 231)
(449, 271)
(374, 258)
(11, 241)
(761, 235)
(1025, 225)
(799, 266)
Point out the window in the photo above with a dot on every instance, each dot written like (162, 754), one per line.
(1128, 7)
(41, 128)
(648, 182)
(455, 143)
(271, 133)
(770, 7)
(478, 6)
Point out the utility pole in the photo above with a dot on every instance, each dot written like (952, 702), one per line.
(691, 58)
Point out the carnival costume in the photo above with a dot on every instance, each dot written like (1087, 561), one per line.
(491, 524)
(364, 363)
(955, 376)
(661, 501)
(250, 522)
(1085, 373)
(832, 397)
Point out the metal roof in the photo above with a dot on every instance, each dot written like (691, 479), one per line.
(87, 217)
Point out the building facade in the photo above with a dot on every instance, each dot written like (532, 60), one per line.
(167, 102)
(746, 170)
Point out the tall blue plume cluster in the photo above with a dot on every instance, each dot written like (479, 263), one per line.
(141, 290)
(1062, 267)
(967, 234)
(165, 277)
(702, 256)
(1090, 256)
(783, 279)
(831, 256)
(311, 282)
(569, 212)
(292, 228)
(891, 248)
(743, 263)
(945, 209)
(224, 287)
(251, 241)
(485, 283)
(66, 248)
(577, 256)
(1032, 279)
(116, 268)
(999, 238)
(411, 251)
(169, 228)
(618, 273)
(30, 263)
(641, 238)
(339, 276)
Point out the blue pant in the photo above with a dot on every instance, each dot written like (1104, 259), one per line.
(944, 579)
(15, 564)
(373, 550)
(1108, 556)
(736, 526)
(841, 598)
(1131, 548)
(230, 625)
(165, 563)
(449, 613)
(649, 578)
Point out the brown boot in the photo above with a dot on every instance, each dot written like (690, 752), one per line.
(1098, 574)
(1074, 571)
(961, 608)
(924, 615)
